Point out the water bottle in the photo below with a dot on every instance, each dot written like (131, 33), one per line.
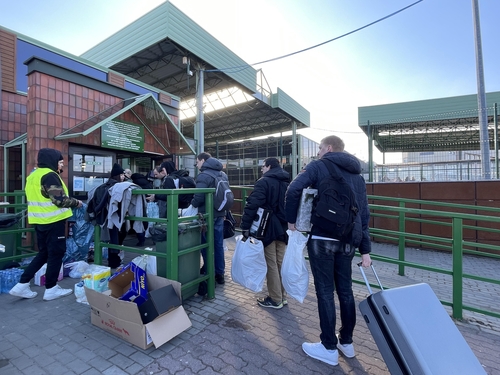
(2, 288)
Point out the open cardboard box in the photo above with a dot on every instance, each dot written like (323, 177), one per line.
(123, 318)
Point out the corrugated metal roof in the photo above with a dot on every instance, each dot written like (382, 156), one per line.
(442, 108)
(168, 22)
(286, 103)
(444, 124)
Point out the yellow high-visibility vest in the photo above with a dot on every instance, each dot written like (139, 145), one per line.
(41, 210)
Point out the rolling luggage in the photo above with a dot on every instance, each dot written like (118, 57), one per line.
(414, 333)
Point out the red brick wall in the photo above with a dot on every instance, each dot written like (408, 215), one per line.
(55, 105)
(12, 125)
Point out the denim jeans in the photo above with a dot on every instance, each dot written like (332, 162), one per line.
(331, 269)
(220, 263)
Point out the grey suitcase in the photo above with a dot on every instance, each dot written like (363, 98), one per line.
(414, 333)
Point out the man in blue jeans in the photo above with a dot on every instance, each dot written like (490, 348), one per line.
(329, 258)
(210, 168)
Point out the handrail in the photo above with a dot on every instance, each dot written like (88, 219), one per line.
(172, 254)
(451, 239)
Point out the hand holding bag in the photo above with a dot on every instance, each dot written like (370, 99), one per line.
(294, 273)
(249, 266)
(229, 223)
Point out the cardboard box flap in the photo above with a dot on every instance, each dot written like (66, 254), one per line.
(162, 330)
(124, 310)
(157, 282)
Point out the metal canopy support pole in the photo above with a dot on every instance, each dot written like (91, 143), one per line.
(481, 97)
(370, 152)
(495, 122)
(5, 171)
(200, 134)
(294, 149)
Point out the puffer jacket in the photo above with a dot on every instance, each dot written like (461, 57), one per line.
(269, 193)
(210, 169)
(311, 176)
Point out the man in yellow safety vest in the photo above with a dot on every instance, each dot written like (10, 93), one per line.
(48, 208)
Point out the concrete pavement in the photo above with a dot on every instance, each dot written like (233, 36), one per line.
(230, 334)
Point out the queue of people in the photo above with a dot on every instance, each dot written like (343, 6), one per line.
(330, 258)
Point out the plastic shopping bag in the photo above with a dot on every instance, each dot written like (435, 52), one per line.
(77, 269)
(190, 211)
(249, 266)
(294, 273)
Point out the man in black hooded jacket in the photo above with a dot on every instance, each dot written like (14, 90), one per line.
(48, 209)
(269, 193)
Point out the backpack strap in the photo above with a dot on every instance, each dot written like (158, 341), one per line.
(332, 168)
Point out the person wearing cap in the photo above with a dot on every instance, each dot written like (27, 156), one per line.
(49, 206)
(127, 175)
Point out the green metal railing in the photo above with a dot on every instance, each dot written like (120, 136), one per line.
(452, 223)
(172, 254)
(14, 203)
(447, 218)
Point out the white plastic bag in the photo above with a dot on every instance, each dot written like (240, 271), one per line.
(294, 273)
(80, 295)
(77, 269)
(249, 266)
(190, 211)
(146, 262)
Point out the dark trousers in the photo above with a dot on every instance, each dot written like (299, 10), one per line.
(219, 261)
(116, 238)
(331, 269)
(51, 241)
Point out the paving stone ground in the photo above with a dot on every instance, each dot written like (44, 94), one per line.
(231, 334)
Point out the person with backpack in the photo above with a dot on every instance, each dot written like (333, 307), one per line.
(269, 193)
(97, 213)
(209, 177)
(173, 179)
(336, 174)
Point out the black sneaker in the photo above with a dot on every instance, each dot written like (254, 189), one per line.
(219, 279)
(268, 302)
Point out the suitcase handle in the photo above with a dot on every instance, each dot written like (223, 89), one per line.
(366, 280)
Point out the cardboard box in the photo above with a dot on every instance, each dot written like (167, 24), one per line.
(129, 284)
(159, 302)
(39, 278)
(123, 319)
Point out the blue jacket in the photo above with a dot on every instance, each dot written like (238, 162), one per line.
(313, 173)
(210, 169)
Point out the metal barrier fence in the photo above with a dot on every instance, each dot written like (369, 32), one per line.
(23, 244)
(448, 217)
(172, 254)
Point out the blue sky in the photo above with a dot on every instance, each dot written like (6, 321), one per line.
(425, 52)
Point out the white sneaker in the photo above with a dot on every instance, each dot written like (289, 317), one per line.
(23, 291)
(56, 292)
(318, 351)
(347, 349)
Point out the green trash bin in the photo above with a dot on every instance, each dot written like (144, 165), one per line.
(189, 264)
(8, 222)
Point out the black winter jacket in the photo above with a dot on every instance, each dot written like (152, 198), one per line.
(141, 180)
(210, 169)
(269, 192)
(316, 171)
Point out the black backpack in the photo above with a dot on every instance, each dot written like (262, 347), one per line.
(184, 182)
(335, 208)
(97, 207)
(223, 197)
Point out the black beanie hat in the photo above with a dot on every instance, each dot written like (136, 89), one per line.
(169, 166)
(117, 170)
